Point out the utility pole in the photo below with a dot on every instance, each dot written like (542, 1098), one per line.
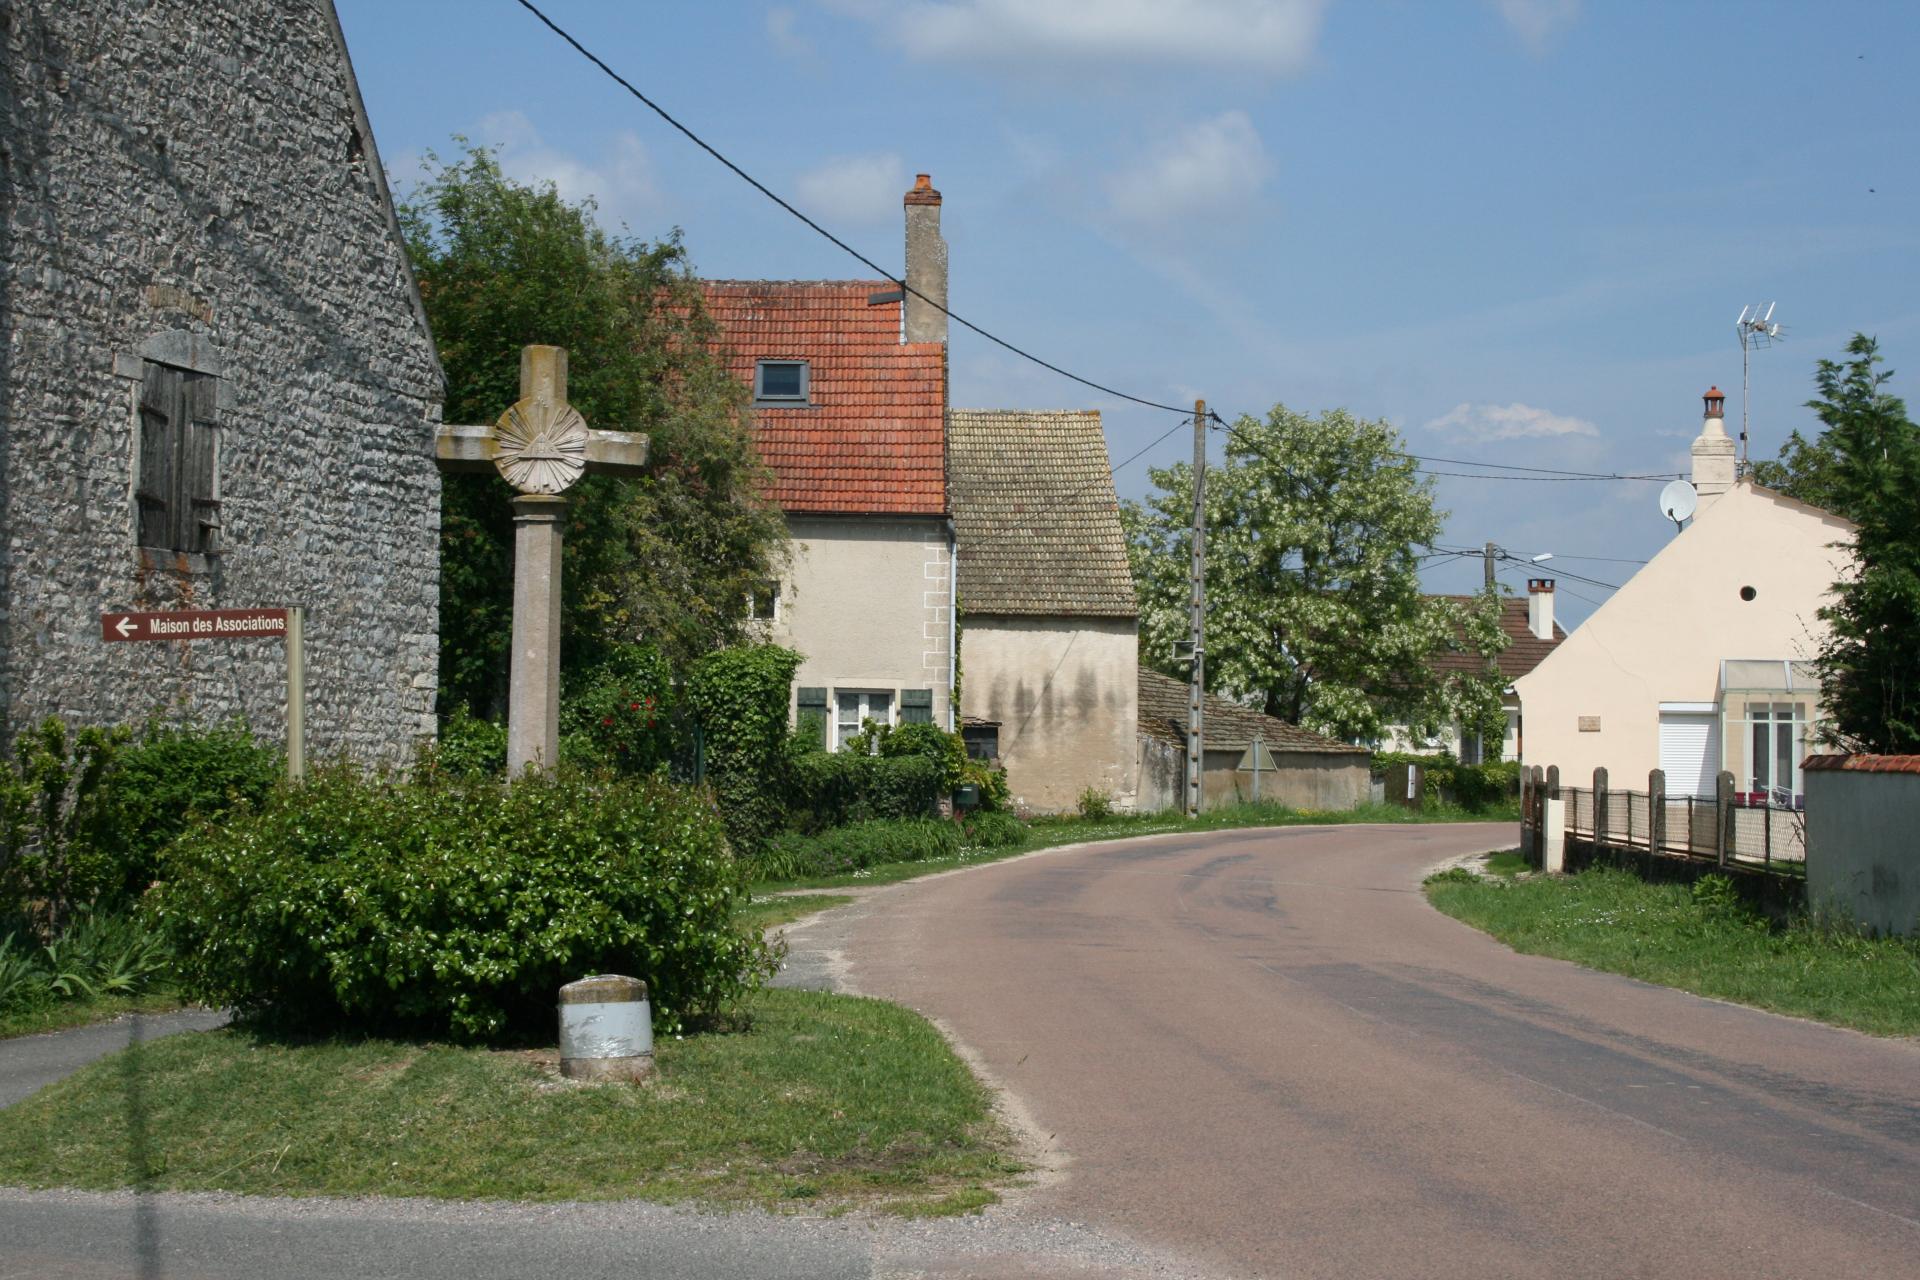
(1489, 554)
(1197, 625)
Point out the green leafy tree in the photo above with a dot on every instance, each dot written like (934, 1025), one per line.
(669, 559)
(1869, 664)
(1314, 607)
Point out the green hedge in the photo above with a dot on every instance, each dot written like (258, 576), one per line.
(448, 905)
(740, 698)
(1477, 788)
(834, 788)
(85, 813)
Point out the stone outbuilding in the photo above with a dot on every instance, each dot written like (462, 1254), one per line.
(1049, 628)
(1311, 771)
(217, 387)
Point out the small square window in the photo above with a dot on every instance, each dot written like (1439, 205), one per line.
(763, 602)
(780, 382)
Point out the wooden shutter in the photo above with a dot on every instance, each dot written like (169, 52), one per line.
(916, 706)
(155, 485)
(199, 457)
(813, 706)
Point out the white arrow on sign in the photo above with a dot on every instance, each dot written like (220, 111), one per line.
(125, 627)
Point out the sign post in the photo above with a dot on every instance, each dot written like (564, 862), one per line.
(288, 624)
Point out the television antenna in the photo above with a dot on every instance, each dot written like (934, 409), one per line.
(1757, 329)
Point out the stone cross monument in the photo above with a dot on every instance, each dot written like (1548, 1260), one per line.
(540, 446)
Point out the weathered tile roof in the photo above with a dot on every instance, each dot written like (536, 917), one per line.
(1229, 726)
(1862, 764)
(870, 440)
(1034, 505)
(1524, 650)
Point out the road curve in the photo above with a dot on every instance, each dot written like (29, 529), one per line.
(1264, 1051)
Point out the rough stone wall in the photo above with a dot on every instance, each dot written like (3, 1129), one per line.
(1066, 693)
(201, 169)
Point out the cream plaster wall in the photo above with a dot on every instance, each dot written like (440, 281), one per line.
(1663, 634)
(1066, 692)
(868, 603)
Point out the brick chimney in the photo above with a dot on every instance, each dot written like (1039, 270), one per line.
(1540, 607)
(1714, 462)
(926, 265)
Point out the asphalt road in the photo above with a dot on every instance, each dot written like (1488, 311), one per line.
(30, 1063)
(1265, 1052)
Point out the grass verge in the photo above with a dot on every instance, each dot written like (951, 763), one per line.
(80, 1013)
(811, 1101)
(762, 914)
(1699, 941)
(1050, 832)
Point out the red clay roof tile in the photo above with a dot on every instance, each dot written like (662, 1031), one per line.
(871, 440)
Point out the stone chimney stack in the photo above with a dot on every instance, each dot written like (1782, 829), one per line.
(1540, 607)
(1714, 463)
(926, 265)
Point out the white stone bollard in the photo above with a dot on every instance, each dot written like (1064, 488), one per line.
(606, 1029)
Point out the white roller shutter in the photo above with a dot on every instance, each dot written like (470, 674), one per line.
(1690, 752)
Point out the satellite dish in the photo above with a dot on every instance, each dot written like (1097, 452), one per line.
(1678, 501)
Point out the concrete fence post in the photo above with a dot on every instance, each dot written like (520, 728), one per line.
(1723, 816)
(1553, 827)
(1600, 805)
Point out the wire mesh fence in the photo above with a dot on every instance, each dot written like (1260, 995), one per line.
(1759, 836)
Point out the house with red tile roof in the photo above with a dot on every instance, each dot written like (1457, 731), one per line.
(849, 381)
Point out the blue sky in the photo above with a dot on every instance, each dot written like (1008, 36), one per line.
(1521, 230)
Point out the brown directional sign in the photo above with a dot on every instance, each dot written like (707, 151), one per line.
(196, 624)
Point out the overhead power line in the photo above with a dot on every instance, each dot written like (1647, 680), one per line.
(832, 239)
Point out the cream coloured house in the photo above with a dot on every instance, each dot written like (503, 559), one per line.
(1698, 662)
(1049, 629)
(849, 382)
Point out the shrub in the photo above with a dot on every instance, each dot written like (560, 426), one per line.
(1095, 805)
(946, 751)
(616, 713)
(457, 905)
(160, 783)
(990, 830)
(1477, 788)
(740, 699)
(833, 788)
(469, 745)
(49, 817)
(843, 850)
(85, 813)
(991, 779)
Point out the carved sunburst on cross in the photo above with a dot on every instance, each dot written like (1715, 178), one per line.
(540, 447)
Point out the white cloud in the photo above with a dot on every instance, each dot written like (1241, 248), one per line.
(1273, 37)
(1537, 22)
(783, 32)
(854, 189)
(1208, 169)
(1508, 422)
(621, 183)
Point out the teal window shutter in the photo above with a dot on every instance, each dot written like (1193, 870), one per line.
(812, 707)
(916, 706)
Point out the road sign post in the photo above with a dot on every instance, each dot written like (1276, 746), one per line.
(288, 624)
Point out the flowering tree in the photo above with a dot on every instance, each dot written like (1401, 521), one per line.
(1314, 607)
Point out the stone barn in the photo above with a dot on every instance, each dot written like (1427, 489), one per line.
(217, 388)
